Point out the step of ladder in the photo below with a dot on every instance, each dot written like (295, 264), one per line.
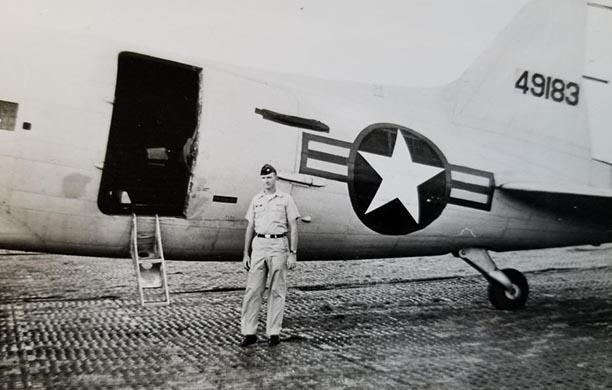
(148, 257)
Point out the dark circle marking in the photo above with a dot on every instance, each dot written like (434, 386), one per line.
(363, 180)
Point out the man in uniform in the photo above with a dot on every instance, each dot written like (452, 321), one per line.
(272, 236)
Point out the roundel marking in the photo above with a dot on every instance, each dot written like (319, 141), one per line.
(399, 181)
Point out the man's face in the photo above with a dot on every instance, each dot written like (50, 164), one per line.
(269, 181)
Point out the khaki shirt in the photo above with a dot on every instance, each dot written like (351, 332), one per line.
(271, 216)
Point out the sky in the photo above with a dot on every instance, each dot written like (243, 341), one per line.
(399, 42)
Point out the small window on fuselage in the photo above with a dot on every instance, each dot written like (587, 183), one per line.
(8, 115)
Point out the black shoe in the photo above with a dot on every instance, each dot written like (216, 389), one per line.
(248, 340)
(274, 340)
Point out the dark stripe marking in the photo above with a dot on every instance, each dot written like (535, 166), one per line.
(470, 187)
(294, 121)
(225, 199)
(600, 6)
(594, 79)
(307, 153)
(327, 157)
(471, 204)
(475, 188)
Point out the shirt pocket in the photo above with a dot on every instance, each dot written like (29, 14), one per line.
(258, 208)
(278, 213)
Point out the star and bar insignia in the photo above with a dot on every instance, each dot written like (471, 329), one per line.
(398, 180)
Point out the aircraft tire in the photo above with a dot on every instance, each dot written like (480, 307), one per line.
(501, 299)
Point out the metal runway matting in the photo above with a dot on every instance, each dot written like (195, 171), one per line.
(75, 323)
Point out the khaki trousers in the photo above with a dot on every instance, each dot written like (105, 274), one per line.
(268, 261)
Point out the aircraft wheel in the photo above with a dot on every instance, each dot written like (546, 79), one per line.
(509, 300)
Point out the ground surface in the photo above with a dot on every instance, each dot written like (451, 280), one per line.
(75, 323)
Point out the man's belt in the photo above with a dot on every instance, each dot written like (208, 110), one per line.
(271, 235)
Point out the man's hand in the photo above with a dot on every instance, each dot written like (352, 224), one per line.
(246, 262)
(291, 260)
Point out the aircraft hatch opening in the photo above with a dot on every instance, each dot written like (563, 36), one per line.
(150, 152)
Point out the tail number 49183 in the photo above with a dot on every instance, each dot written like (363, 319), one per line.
(548, 87)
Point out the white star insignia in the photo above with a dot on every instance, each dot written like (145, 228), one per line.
(401, 177)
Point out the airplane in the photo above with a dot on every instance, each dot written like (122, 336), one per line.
(498, 160)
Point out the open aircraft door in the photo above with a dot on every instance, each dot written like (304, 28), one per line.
(149, 156)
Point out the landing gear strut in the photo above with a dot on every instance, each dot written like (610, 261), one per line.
(508, 288)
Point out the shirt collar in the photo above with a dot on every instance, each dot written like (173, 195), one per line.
(276, 194)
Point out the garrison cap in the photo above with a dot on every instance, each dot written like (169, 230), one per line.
(267, 169)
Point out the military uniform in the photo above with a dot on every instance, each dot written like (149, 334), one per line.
(270, 247)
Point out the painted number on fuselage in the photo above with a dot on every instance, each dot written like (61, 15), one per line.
(547, 87)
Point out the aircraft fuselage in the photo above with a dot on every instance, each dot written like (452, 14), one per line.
(53, 197)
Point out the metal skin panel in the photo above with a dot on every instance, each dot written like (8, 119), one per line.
(480, 123)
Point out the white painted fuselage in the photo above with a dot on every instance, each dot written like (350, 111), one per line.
(50, 174)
